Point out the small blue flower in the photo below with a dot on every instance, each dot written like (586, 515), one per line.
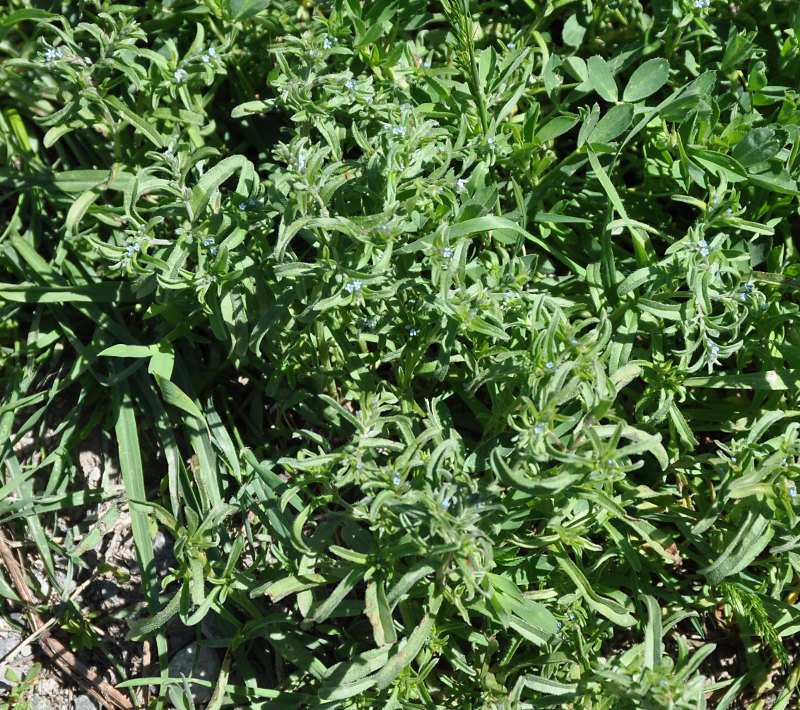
(447, 253)
(206, 59)
(396, 480)
(53, 54)
(748, 288)
(490, 141)
(729, 211)
(427, 65)
(702, 243)
(550, 365)
(180, 76)
(359, 465)
(511, 45)
(460, 184)
(538, 429)
(212, 52)
(793, 491)
(704, 251)
(242, 206)
(327, 43)
(213, 251)
(354, 285)
(733, 459)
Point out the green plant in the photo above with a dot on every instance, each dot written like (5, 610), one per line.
(452, 345)
(18, 694)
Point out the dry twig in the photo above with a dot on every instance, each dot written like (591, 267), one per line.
(100, 689)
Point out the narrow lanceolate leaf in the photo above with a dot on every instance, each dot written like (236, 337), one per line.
(293, 648)
(641, 243)
(419, 571)
(142, 126)
(345, 680)
(331, 602)
(516, 479)
(78, 209)
(379, 614)
(480, 225)
(130, 461)
(549, 686)
(652, 633)
(768, 380)
(752, 536)
(103, 292)
(408, 651)
(211, 181)
(287, 586)
(222, 683)
(175, 396)
(142, 628)
(607, 607)
(647, 442)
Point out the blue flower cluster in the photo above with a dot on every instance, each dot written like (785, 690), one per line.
(209, 242)
(53, 54)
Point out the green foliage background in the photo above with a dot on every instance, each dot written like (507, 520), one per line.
(452, 343)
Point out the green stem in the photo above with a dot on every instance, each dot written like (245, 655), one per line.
(481, 99)
(324, 359)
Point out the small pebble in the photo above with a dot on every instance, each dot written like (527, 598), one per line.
(199, 662)
(83, 702)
